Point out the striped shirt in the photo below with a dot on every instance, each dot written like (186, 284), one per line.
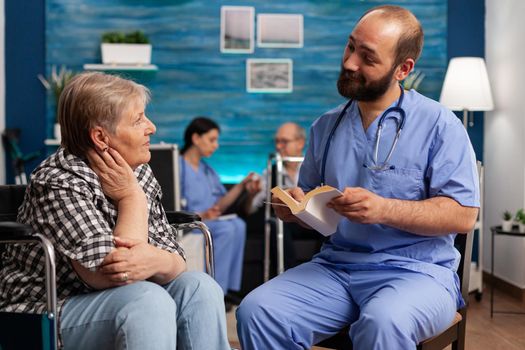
(65, 202)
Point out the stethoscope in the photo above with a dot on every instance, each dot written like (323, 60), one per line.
(400, 123)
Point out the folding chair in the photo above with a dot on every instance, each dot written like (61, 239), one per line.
(455, 333)
(35, 331)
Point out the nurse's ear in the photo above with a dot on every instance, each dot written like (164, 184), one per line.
(99, 138)
(404, 69)
(195, 138)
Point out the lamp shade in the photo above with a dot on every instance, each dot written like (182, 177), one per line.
(466, 85)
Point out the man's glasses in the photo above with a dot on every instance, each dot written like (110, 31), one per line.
(283, 141)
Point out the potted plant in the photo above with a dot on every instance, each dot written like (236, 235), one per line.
(413, 80)
(506, 224)
(520, 219)
(55, 83)
(131, 48)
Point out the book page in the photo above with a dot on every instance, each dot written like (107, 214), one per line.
(327, 218)
(313, 210)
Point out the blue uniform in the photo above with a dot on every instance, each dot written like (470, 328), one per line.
(201, 189)
(395, 288)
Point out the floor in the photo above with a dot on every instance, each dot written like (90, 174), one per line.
(502, 332)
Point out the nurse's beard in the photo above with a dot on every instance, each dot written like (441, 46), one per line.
(353, 85)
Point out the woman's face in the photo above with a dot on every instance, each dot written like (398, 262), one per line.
(132, 135)
(207, 143)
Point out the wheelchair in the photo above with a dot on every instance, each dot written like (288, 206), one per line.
(16, 328)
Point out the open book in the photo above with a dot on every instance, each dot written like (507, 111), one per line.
(312, 210)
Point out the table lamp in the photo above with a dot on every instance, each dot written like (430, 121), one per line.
(466, 87)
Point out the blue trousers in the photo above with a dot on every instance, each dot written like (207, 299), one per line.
(187, 313)
(229, 238)
(387, 309)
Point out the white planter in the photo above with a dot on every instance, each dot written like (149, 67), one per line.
(506, 225)
(126, 53)
(56, 132)
(522, 227)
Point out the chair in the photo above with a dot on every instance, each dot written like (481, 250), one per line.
(14, 327)
(455, 333)
(185, 221)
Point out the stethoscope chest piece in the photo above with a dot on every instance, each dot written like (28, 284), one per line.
(386, 115)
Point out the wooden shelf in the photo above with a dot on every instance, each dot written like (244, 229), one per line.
(123, 67)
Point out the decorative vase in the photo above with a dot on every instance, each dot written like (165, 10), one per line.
(506, 225)
(56, 132)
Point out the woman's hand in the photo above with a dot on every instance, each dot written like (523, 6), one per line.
(211, 214)
(116, 177)
(132, 261)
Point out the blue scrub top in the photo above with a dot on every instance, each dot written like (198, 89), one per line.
(433, 157)
(201, 188)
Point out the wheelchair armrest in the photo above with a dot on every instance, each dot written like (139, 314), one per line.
(182, 217)
(14, 230)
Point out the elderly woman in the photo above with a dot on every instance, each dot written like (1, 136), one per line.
(120, 273)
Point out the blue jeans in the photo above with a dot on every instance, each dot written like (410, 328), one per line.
(187, 313)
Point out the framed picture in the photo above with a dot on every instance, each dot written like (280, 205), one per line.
(237, 29)
(279, 30)
(271, 75)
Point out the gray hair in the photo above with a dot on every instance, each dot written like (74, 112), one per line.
(94, 99)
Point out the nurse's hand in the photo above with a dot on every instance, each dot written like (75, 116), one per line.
(359, 205)
(283, 212)
(116, 176)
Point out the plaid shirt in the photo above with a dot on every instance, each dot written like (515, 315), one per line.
(65, 202)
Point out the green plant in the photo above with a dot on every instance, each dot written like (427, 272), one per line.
(413, 80)
(520, 216)
(507, 215)
(136, 37)
(56, 82)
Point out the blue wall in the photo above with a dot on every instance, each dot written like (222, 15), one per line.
(194, 78)
(24, 60)
(466, 37)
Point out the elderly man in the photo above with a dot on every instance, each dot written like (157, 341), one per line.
(290, 140)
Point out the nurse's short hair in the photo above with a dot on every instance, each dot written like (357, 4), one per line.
(410, 42)
(94, 99)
